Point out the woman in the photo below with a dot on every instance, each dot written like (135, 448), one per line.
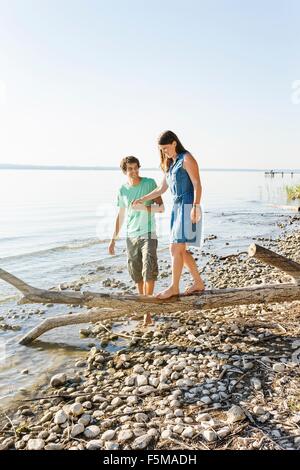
(181, 174)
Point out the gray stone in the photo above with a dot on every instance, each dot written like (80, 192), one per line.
(154, 381)
(36, 444)
(210, 435)
(117, 401)
(47, 417)
(53, 446)
(146, 389)
(141, 418)
(58, 380)
(235, 414)
(206, 400)
(77, 429)
(141, 442)
(178, 429)
(278, 367)
(132, 400)
(248, 365)
(60, 417)
(166, 434)
(141, 380)
(98, 398)
(223, 432)
(297, 441)
(203, 417)
(153, 432)
(84, 419)
(8, 443)
(109, 445)
(76, 409)
(256, 383)
(174, 404)
(53, 436)
(95, 444)
(188, 432)
(138, 369)
(125, 435)
(92, 431)
(108, 435)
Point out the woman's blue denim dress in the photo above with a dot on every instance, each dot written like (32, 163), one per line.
(181, 186)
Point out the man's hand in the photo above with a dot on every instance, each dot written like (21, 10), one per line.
(195, 214)
(111, 247)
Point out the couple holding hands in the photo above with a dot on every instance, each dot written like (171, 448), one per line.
(141, 197)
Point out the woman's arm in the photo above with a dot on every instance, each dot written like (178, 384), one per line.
(161, 189)
(156, 207)
(191, 166)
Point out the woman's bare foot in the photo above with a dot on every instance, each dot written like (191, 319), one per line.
(195, 288)
(167, 293)
(148, 320)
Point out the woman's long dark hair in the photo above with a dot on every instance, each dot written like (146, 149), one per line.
(168, 137)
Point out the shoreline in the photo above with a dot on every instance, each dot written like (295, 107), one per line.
(208, 375)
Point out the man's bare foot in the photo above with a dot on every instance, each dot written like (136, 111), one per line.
(167, 293)
(196, 287)
(148, 320)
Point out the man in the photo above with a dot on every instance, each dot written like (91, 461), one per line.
(141, 239)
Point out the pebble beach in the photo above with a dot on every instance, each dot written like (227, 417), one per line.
(225, 378)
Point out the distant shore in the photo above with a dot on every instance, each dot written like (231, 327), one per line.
(10, 166)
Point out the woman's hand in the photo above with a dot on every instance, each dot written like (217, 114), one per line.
(139, 207)
(195, 214)
(137, 202)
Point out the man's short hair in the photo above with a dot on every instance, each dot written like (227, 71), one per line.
(126, 160)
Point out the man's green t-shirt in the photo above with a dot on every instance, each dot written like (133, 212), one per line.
(139, 223)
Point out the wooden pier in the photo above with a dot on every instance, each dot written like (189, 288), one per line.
(273, 173)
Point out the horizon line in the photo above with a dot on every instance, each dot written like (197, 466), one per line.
(15, 166)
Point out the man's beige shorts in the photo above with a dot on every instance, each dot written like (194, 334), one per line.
(142, 258)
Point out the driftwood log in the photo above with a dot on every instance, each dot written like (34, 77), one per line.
(105, 305)
(288, 207)
(281, 262)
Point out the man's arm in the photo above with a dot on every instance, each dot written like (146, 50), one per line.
(118, 225)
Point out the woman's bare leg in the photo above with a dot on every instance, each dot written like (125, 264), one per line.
(190, 263)
(177, 250)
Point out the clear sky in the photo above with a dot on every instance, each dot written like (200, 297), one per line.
(86, 82)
